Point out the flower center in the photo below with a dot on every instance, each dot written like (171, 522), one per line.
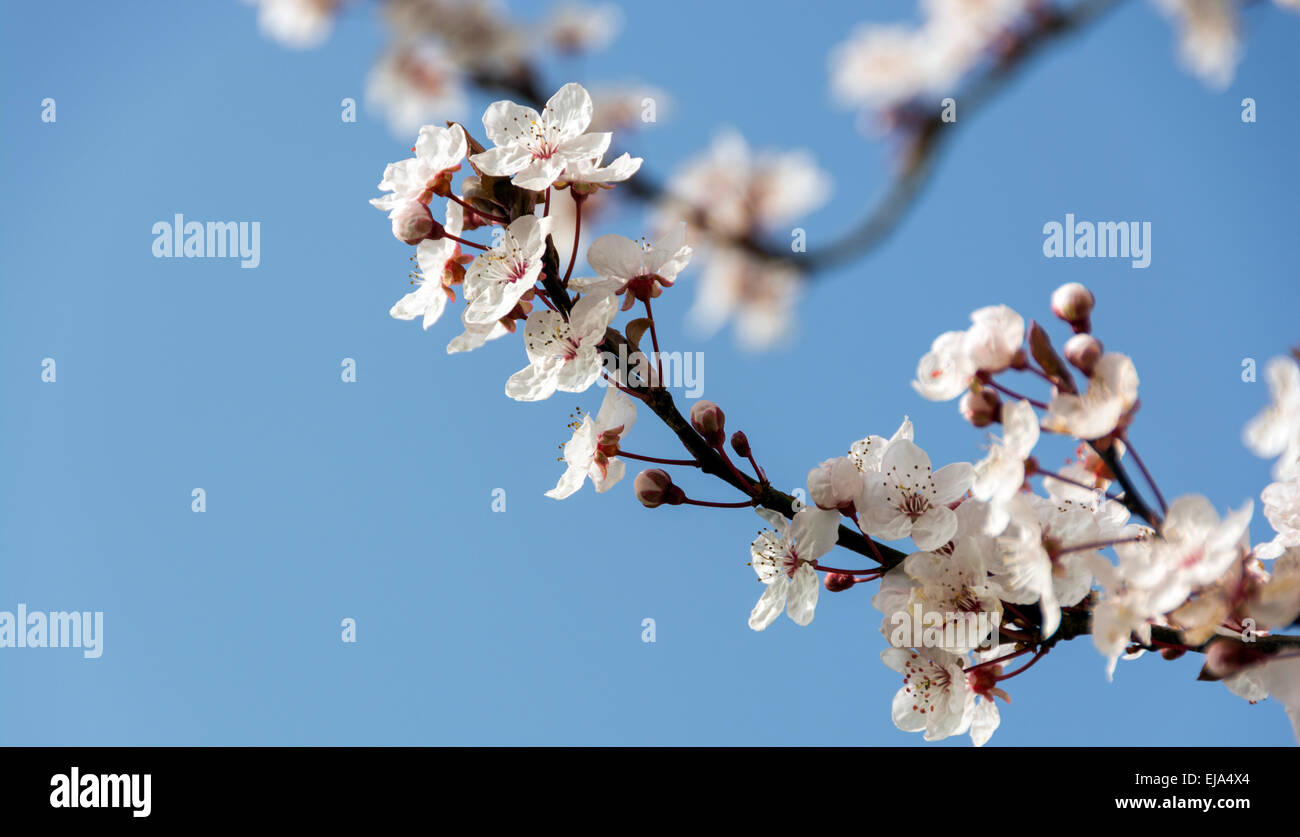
(913, 504)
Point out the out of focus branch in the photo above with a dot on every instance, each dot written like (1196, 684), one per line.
(926, 134)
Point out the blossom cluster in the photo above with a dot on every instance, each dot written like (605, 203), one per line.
(1038, 553)
(888, 66)
(984, 540)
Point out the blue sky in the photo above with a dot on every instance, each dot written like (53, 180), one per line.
(372, 500)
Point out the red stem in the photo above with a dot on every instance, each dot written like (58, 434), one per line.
(654, 340)
(657, 459)
(1164, 509)
(577, 228)
(478, 212)
(1013, 394)
(743, 504)
(460, 240)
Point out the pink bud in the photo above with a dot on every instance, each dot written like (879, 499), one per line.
(837, 582)
(412, 223)
(1073, 303)
(654, 488)
(740, 443)
(1083, 351)
(981, 407)
(708, 419)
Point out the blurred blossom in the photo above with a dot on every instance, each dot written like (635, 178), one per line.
(415, 84)
(759, 293)
(477, 34)
(1209, 43)
(578, 27)
(620, 107)
(880, 65)
(740, 192)
(300, 24)
(732, 192)
(885, 65)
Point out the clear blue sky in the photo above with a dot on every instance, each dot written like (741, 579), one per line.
(372, 500)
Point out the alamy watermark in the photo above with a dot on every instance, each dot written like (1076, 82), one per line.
(1098, 240)
(179, 238)
(53, 629)
(913, 628)
(674, 370)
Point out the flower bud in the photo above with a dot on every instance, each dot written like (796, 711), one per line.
(981, 407)
(707, 418)
(412, 223)
(1083, 351)
(740, 444)
(1073, 303)
(654, 488)
(837, 582)
(835, 484)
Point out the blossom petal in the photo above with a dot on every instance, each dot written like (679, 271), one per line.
(801, 599)
(770, 604)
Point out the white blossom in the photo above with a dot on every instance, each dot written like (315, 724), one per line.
(591, 451)
(784, 558)
(1276, 430)
(532, 149)
(1000, 475)
(500, 277)
(905, 498)
(432, 293)
(562, 354)
(1112, 392)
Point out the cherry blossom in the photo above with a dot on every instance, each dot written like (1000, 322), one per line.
(1123, 612)
(1195, 548)
(1112, 392)
(638, 270)
(499, 278)
(784, 558)
(935, 697)
(577, 27)
(532, 149)
(1035, 566)
(1282, 509)
(835, 484)
(994, 338)
(476, 34)
(438, 152)
(760, 295)
(591, 451)
(905, 498)
(434, 258)
(730, 193)
(1000, 475)
(1276, 430)
(1209, 41)
(414, 83)
(880, 65)
(1274, 601)
(955, 586)
(587, 175)
(475, 335)
(562, 354)
(944, 372)
(867, 453)
(299, 24)
(1278, 679)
